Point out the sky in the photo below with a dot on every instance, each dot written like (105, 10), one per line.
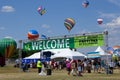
(17, 17)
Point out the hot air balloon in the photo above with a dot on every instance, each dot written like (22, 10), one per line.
(33, 35)
(43, 36)
(69, 23)
(110, 50)
(85, 3)
(100, 21)
(39, 8)
(116, 49)
(41, 11)
(7, 47)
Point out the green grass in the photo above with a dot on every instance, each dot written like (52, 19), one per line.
(10, 73)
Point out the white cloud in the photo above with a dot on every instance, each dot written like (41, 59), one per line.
(45, 26)
(114, 23)
(7, 9)
(107, 15)
(116, 2)
(113, 27)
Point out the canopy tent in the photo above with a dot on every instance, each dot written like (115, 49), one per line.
(34, 56)
(58, 53)
(54, 51)
(99, 53)
(38, 55)
(100, 50)
(67, 53)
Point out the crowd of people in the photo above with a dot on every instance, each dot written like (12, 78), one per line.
(74, 67)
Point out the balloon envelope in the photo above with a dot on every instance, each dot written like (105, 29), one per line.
(33, 35)
(7, 47)
(116, 49)
(85, 3)
(100, 21)
(69, 23)
(43, 36)
(41, 11)
(110, 50)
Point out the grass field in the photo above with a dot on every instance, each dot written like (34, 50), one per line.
(10, 73)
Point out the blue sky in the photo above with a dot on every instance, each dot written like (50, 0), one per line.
(17, 17)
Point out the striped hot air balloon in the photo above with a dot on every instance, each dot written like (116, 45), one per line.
(7, 47)
(69, 23)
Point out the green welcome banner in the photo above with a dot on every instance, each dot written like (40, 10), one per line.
(72, 42)
(49, 44)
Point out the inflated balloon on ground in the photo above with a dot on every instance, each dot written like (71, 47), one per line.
(7, 47)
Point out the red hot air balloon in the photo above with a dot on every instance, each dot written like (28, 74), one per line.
(100, 21)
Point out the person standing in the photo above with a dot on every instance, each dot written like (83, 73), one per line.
(79, 67)
(111, 65)
(68, 66)
(74, 67)
(39, 66)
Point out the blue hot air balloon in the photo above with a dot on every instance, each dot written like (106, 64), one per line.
(85, 3)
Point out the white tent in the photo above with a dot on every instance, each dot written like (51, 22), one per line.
(34, 56)
(101, 51)
(67, 53)
(61, 53)
(54, 51)
(103, 54)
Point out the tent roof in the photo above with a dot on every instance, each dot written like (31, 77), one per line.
(34, 56)
(56, 50)
(100, 50)
(68, 54)
(58, 53)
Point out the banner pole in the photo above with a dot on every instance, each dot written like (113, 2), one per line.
(106, 46)
(20, 54)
